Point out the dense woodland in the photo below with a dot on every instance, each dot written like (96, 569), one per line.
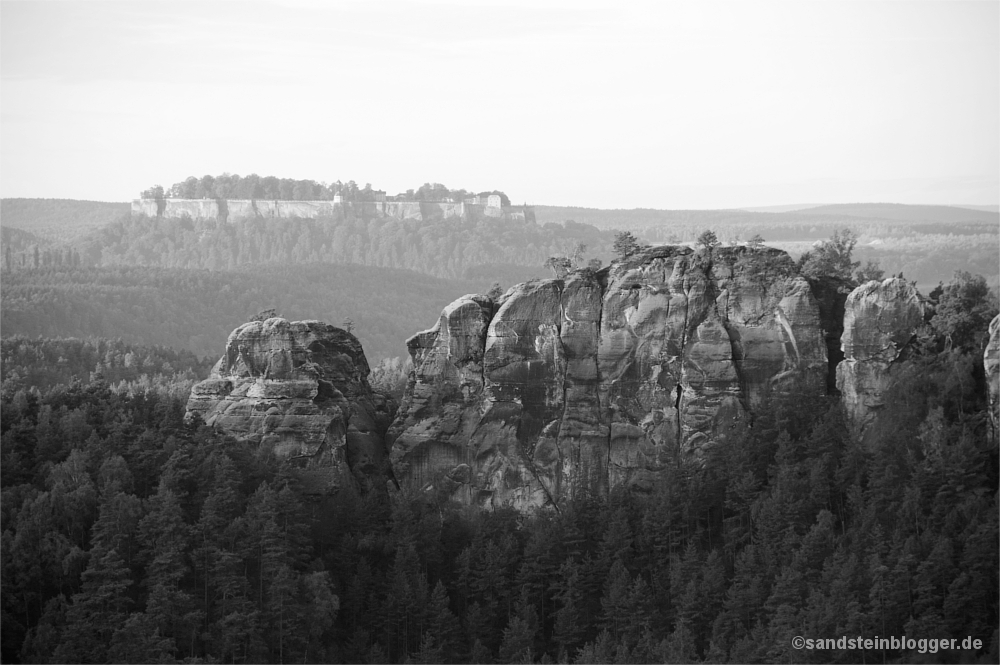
(197, 309)
(131, 536)
(44, 363)
(447, 248)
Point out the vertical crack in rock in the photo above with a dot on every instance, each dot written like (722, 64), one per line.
(677, 408)
(561, 454)
(603, 416)
(831, 296)
(736, 349)
(683, 357)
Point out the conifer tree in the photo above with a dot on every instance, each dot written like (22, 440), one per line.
(570, 629)
(97, 610)
(442, 624)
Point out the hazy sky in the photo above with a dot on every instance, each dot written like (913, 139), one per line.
(616, 104)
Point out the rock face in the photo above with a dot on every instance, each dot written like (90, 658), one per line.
(300, 389)
(599, 379)
(880, 319)
(991, 363)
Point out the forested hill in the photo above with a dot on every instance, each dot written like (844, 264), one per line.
(905, 213)
(877, 214)
(448, 248)
(197, 309)
(59, 219)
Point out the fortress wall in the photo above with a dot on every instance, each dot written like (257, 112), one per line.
(439, 209)
(177, 208)
(366, 209)
(401, 210)
(241, 208)
(474, 212)
(305, 209)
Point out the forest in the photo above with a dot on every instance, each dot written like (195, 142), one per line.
(130, 535)
(44, 363)
(448, 248)
(197, 309)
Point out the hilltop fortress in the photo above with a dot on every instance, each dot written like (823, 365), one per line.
(225, 210)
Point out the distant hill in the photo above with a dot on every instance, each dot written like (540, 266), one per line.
(685, 221)
(639, 218)
(903, 212)
(59, 219)
(992, 208)
(197, 309)
(782, 208)
(925, 243)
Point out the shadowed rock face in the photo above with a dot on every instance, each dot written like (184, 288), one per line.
(991, 363)
(880, 319)
(600, 379)
(300, 390)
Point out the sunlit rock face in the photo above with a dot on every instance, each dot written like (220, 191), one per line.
(991, 363)
(300, 391)
(601, 379)
(443, 396)
(880, 320)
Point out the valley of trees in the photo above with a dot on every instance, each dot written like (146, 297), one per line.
(132, 536)
(197, 309)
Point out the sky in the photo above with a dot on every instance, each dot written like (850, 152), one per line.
(600, 104)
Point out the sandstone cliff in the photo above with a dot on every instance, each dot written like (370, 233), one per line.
(300, 390)
(880, 320)
(991, 363)
(600, 379)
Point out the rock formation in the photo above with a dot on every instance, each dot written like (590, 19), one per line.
(300, 390)
(602, 378)
(880, 320)
(991, 363)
